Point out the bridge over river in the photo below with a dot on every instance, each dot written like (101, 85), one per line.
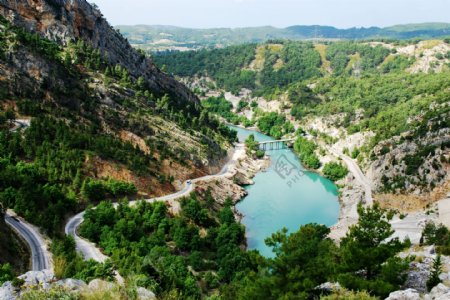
(276, 144)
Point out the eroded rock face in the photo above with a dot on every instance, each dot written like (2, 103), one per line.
(433, 170)
(63, 21)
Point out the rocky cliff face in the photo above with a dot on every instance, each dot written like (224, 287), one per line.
(63, 21)
(412, 166)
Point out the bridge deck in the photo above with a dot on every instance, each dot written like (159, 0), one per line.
(276, 141)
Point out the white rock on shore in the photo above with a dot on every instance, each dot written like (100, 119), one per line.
(439, 292)
(409, 294)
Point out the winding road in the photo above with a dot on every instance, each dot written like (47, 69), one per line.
(410, 227)
(40, 256)
(90, 251)
(359, 175)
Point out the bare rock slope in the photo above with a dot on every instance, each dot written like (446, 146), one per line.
(63, 21)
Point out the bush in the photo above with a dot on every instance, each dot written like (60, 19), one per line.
(335, 171)
(355, 153)
(437, 235)
(17, 282)
(6, 273)
(274, 125)
(54, 293)
(97, 190)
(344, 294)
(306, 151)
(260, 153)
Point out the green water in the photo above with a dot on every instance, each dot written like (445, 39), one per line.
(286, 195)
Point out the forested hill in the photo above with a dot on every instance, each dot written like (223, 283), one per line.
(105, 121)
(395, 92)
(155, 38)
(265, 67)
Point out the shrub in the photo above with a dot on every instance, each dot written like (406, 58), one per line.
(437, 235)
(355, 153)
(260, 153)
(6, 273)
(434, 279)
(306, 151)
(344, 294)
(335, 171)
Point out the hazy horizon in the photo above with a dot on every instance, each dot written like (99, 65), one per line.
(204, 14)
(322, 25)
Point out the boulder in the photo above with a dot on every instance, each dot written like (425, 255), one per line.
(72, 284)
(144, 294)
(329, 287)
(440, 292)
(409, 294)
(98, 284)
(38, 278)
(7, 291)
(443, 276)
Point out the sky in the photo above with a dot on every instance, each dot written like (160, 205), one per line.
(278, 13)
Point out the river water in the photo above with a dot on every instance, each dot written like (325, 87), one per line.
(286, 195)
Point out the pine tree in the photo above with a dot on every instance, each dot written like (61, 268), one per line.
(434, 279)
(77, 180)
(108, 71)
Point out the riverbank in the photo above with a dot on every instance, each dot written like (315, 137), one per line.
(355, 188)
(350, 195)
(231, 185)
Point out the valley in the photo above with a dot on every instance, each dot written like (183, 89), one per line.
(172, 38)
(129, 173)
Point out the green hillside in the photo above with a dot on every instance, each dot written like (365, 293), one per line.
(372, 88)
(155, 38)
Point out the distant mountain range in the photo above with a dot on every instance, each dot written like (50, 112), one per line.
(157, 37)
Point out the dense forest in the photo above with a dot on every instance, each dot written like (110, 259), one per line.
(269, 67)
(199, 253)
(362, 86)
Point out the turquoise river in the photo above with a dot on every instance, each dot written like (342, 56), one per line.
(285, 195)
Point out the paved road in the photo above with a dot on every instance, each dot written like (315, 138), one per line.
(409, 227)
(40, 257)
(359, 175)
(90, 251)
